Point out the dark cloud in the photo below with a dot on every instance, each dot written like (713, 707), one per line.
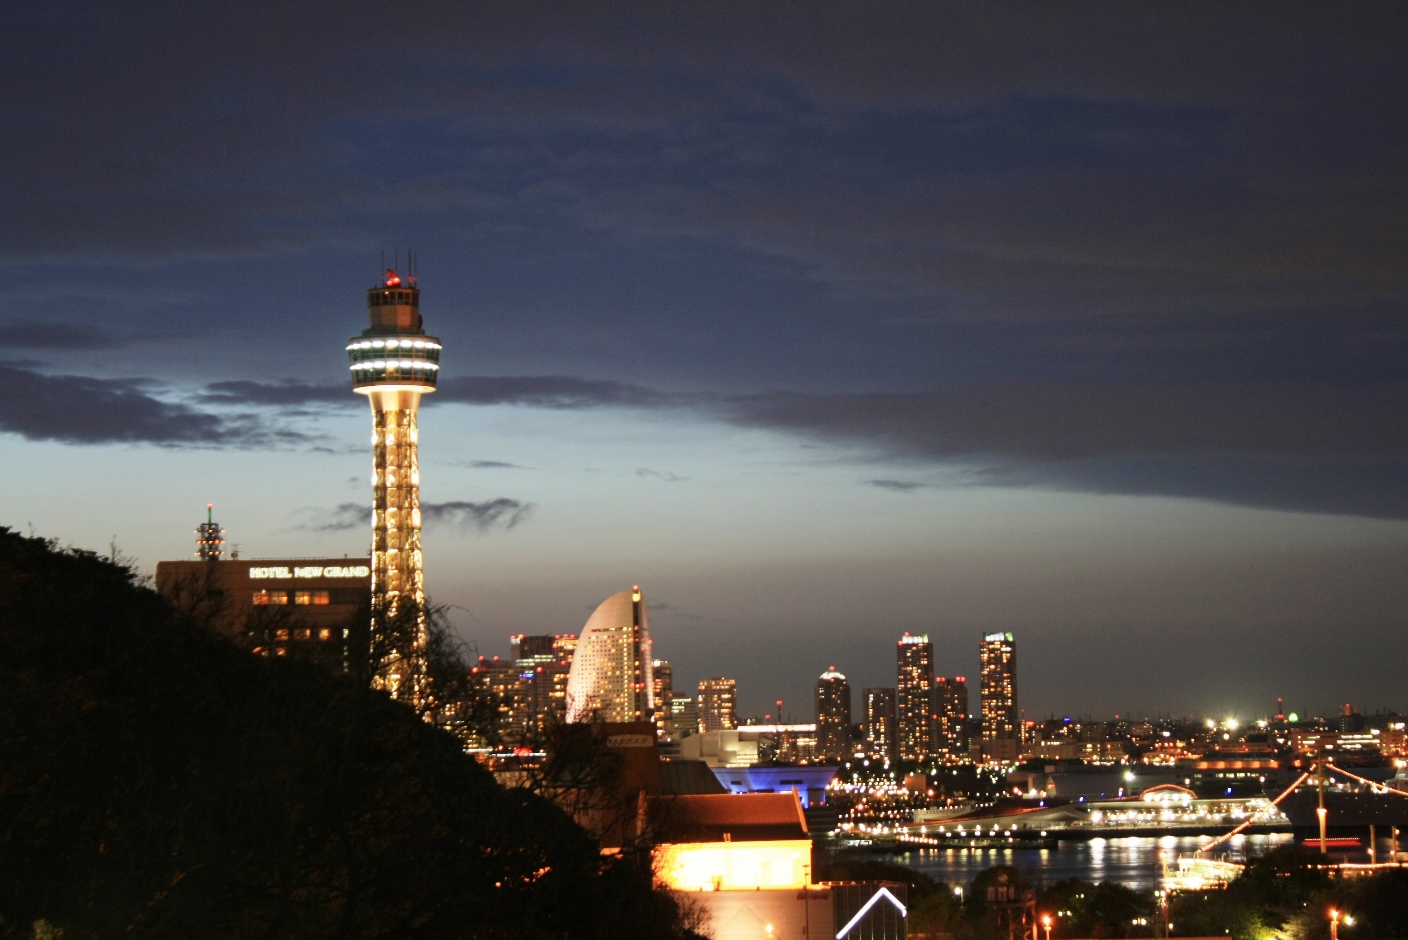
(492, 465)
(1012, 157)
(504, 512)
(1313, 447)
(537, 391)
(664, 475)
(32, 334)
(547, 391)
(896, 486)
(289, 393)
(1067, 421)
(83, 410)
(341, 518)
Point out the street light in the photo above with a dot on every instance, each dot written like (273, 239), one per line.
(1046, 922)
(1335, 918)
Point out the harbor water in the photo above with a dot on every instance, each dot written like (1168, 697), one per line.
(1135, 861)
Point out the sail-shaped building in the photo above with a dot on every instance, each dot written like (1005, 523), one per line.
(611, 676)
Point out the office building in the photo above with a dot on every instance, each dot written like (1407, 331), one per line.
(393, 362)
(684, 716)
(1001, 720)
(497, 682)
(914, 694)
(880, 718)
(296, 607)
(610, 678)
(718, 704)
(664, 679)
(543, 664)
(833, 716)
(951, 705)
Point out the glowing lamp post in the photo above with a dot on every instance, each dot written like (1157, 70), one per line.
(1046, 923)
(1336, 918)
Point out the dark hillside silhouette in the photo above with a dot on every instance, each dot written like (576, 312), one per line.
(157, 781)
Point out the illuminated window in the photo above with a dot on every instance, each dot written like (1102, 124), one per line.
(281, 634)
(324, 634)
(310, 597)
(303, 634)
(270, 597)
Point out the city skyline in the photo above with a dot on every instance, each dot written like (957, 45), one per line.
(923, 322)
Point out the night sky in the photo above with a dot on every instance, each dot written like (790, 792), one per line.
(820, 322)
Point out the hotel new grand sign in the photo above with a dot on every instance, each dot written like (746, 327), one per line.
(284, 572)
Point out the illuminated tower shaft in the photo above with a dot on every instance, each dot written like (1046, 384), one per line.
(393, 363)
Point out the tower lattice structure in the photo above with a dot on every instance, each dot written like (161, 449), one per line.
(394, 363)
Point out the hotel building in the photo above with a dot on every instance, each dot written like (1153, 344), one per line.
(611, 677)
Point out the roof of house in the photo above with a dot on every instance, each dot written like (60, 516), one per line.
(736, 817)
(688, 778)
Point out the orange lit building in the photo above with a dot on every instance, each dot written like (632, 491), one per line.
(744, 861)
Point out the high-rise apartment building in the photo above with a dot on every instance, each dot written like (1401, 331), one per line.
(393, 362)
(718, 704)
(914, 696)
(998, 656)
(664, 679)
(880, 730)
(610, 678)
(951, 705)
(833, 716)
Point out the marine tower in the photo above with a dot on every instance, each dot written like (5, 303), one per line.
(394, 363)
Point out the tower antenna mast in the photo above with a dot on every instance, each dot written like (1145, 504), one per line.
(210, 538)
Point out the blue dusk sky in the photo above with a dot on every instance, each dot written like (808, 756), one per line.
(823, 323)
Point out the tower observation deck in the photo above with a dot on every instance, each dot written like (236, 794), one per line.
(393, 362)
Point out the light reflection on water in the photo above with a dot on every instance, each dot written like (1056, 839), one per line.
(1133, 861)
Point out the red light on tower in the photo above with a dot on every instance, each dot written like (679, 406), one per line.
(392, 278)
